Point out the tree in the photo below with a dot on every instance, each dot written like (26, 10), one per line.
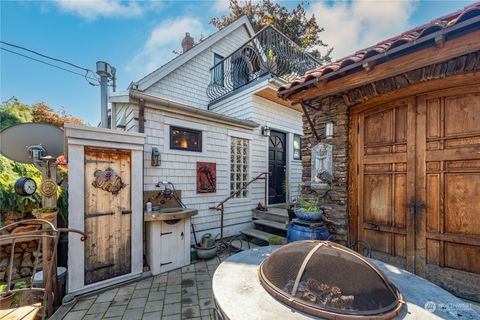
(295, 24)
(12, 112)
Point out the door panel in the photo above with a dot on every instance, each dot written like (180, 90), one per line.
(276, 167)
(107, 217)
(384, 173)
(449, 154)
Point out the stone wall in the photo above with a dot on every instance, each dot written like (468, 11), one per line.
(333, 198)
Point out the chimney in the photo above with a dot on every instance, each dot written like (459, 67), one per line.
(187, 42)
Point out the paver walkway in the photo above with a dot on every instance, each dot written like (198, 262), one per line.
(180, 294)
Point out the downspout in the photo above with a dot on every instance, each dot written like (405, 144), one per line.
(141, 116)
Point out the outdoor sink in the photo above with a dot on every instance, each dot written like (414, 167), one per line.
(167, 210)
(159, 214)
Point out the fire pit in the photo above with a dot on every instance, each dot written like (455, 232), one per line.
(241, 292)
(327, 280)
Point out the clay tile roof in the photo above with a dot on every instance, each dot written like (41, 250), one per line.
(385, 46)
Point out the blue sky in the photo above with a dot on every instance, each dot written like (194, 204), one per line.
(137, 37)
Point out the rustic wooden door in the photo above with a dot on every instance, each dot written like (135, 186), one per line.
(448, 189)
(107, 213)
(386, 174)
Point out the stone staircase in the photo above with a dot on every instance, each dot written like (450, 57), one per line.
(266, 224)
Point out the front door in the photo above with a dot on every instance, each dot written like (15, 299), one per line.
(277, 150)
(418, 186)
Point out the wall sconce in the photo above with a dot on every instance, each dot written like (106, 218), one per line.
(265, 131)
(329, 130)
(156, 157)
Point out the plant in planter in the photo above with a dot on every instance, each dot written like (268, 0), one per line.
(275, 240)
(290, 201)
(7, 298)
(47, 213)
(307, 209)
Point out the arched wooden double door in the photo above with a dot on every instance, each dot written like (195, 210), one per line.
(417, 185)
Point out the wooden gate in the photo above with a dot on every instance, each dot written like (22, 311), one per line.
(107, 213)
(417, 186)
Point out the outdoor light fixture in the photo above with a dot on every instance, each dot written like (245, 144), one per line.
(265, 131)
(329, 130)
(155, 157)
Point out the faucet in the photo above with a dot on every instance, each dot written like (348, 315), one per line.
(168, 193)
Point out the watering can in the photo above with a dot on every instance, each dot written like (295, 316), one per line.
(207, 241)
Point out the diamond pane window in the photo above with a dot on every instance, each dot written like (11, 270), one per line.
(185, 139)
(239, 165)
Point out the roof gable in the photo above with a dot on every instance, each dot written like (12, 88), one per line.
(173, 64)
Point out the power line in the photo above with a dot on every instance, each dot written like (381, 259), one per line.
(55, 66)
(45, 56)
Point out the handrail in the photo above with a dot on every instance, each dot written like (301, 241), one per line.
(221, 205)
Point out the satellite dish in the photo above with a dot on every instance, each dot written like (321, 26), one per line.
(28, 142)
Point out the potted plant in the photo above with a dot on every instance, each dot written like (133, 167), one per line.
(47, 213)
(7, 298)
(307, 209)
(290, 201)
(275, 240)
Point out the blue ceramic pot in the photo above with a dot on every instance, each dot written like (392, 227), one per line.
(309, 216)
(298, 232)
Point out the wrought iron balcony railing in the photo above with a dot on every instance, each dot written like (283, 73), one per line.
(268, 52)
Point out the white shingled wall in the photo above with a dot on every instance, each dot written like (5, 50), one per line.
(188, 83)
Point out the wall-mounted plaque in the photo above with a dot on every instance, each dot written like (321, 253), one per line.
(206, 177)
(322, 164)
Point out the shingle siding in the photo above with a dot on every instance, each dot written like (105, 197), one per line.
(188, 83)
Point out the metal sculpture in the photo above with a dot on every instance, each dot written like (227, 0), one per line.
(108, 180)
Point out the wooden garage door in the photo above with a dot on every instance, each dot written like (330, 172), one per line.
(448, 181)
(419, 186)
(107, 213)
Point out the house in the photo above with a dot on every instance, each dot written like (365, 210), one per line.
(405, 148)
(215, 105)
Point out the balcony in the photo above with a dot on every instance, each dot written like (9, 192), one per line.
(268, 54)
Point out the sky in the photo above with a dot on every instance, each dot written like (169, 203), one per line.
(138, 36)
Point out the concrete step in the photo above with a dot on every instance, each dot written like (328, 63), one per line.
(243, 245)
(262, 235)
(273, 214)
(271, 224)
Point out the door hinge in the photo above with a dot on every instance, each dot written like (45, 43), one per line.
(165, 233)
(164, 264)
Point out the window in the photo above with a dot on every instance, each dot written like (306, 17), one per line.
(218, 71)
(239, 165)
(297, 147)
(185, 139)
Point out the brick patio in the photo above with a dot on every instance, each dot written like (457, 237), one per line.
(180, 294)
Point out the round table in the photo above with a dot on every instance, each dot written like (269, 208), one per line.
(239, 295)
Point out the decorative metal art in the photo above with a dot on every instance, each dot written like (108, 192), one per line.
(269, 52)
(322, 164)
(48, 188)
(206, 177)
(108, 180)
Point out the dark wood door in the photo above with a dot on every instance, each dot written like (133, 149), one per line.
(277, 149)
(448, 183)
(107, 214)
(385, 181)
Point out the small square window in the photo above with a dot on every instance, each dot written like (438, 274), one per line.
(297, 147)
(185, 139)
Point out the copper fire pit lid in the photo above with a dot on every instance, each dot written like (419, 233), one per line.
(330, 281)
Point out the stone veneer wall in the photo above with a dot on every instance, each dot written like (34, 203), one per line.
(334, 198)
(335, 108)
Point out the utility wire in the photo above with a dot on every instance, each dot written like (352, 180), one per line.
(55, 66)
(87, 71)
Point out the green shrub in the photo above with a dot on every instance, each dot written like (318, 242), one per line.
(307, 205)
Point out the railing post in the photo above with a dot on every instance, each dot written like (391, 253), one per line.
(221, 221)
(266, 189)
